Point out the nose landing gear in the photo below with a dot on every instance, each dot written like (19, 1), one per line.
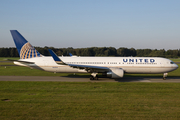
(165, 76)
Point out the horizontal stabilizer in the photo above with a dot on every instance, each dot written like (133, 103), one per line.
(20, 61)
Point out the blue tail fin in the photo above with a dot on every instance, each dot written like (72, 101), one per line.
(25, 49)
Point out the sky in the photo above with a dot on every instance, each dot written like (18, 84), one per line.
(139, 24)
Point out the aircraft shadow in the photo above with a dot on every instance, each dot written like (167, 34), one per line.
(124, 79)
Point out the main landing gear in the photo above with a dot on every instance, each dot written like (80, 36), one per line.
(165, 76)
(94, 76)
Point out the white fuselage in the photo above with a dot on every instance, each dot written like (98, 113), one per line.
(128, 64)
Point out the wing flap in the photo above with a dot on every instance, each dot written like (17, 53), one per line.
(90, 68)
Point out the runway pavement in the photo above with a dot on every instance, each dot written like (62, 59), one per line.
(83, 79)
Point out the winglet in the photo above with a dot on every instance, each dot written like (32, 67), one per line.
(70, 54)
(56, 58)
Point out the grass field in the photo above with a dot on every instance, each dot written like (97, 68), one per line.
(5, 58)
(59, 100)
(176, 60)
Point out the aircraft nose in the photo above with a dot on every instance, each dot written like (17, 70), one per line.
(176, 66)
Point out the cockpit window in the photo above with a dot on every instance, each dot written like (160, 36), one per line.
(172, 62)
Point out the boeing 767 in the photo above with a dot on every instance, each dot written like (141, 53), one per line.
(113, 67)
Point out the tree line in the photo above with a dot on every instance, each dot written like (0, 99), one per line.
(97, 51)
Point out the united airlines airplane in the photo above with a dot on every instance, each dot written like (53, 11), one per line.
(113, 67)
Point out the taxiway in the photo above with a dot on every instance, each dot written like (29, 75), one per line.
(83, 79)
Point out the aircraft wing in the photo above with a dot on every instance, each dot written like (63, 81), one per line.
(88, 68)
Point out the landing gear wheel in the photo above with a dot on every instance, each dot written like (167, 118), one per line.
(165, 75)
(96, 78)
(91, 78)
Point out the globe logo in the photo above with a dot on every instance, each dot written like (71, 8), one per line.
(28, 51)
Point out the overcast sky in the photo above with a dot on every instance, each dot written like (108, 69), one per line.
(140, 24)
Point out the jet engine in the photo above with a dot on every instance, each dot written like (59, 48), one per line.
(115, 73)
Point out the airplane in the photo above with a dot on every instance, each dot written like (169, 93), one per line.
(113, 67)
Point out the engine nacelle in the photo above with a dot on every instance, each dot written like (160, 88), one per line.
(115, 73)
